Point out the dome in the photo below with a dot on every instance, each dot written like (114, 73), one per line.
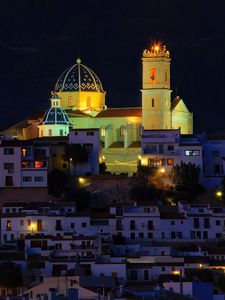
(78, 78)
(55, 115)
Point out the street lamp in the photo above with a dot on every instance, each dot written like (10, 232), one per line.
(162, 172)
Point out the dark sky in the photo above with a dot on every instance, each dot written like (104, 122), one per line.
(40, 39)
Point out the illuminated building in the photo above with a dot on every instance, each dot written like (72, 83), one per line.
(79, 95)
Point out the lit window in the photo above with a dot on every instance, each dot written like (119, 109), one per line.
(8, 225)
(38, 164)
(192, 152)
(170, 161)
(152, 75)
(103, 131)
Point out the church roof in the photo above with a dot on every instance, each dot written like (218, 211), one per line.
(120, 112)
(55, 115)
(174, 102)
(78, 78)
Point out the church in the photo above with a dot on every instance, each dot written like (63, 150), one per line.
(79, 102)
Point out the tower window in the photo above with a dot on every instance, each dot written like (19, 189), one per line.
(152, 75)
(153, 102)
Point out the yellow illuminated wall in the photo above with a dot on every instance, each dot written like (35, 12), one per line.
(82, 100)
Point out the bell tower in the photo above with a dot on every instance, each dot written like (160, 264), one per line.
(156, 93)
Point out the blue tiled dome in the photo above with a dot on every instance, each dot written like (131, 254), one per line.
(78, 78)
(56, 115)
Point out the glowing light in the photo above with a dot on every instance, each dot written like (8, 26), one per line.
(177, 272)
(139, 157)
(156, 48)
(81, 180)
(200, 266)
(162, 170)
(219, 194)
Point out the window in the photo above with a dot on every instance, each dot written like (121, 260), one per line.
(173, 235)
(8, 151)
(132, 236)
(121, 131)
(21, 222)
(8, 181)
(150, 225)
(153, 102)
(27, 179)
(26, 152)
(150, 235)
(90, 133)
(64, 165)
(192, 152)
(215, 153)
(5, 237)
(61, 132)
(8, 225)
(132, 225)
(39, 164)
(84, 224)
(103, 131)
(29, 222)
(12, 237)
(196, 223)
(205, 234)
(38, 178)
(141, 235)
(72, 225)
(133, 275)
(146, 275)
(217, 222)
(163, 269)
(50, 132)
(217, 169)
(39, 225)
(170, 161)
(170, 147)
(172, 222)
(163, 235)
(153, 75)
(8, 166)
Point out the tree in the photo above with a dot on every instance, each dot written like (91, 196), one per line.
(186, 177)
(75, 154)
(10, 275)
(56, 182)
(146, 171)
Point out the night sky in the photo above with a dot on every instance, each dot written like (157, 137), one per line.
(40, 39)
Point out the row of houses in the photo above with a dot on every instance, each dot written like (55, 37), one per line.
(129, 243)
(26, 163)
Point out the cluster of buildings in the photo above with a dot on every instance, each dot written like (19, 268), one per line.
(133, 246)
(118, 251)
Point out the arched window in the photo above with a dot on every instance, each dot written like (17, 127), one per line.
(153, 75)
(70, 101)
(121, 131)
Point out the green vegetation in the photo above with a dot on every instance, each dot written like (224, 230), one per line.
(10, 275)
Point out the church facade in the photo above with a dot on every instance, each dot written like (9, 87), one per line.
(78, 102)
